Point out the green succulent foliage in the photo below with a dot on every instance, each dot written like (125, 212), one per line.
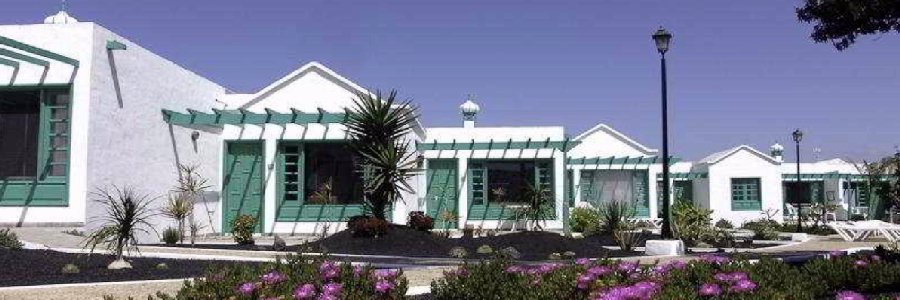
(171, 236)
(9, 240)
(691, 223)
(614, 214)
(377, 125)
(764, 229)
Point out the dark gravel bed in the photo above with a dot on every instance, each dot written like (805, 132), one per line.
(38, 267)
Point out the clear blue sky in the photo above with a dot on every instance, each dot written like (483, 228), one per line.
(740, 72)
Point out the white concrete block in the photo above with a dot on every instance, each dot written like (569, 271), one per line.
(664, 247)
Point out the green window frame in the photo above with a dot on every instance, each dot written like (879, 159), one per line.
(746, 194)
(592, 193)
(480, 205)
(291, 188)
(49, 187)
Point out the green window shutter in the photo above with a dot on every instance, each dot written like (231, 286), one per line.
(817, 192)
(570, 187)
(862, 189)
(477, 183)
(544, 173)
(586, 183)
(745, 194)
(292, 172)
(640, 194)
(53, 160)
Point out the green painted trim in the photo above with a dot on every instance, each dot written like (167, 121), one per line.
(747, 203)
(823, 176)
(616, 161)
(226, 228)
(297, 210)
(492, 211)
(23, 57)
(43, 190)
(10, 63)
(243, 116)
(564, 145)
(684, 176)
(115, 45)
(39, 51)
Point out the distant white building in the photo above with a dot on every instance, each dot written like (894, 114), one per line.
(84, 108)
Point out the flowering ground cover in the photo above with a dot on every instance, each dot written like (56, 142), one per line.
(295, 277)
(710, 277)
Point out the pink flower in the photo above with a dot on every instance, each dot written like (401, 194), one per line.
(272, 277)
(714, 259)
(383, 286)
(743, 286)
(598, 271)
(861, 263)
(386, 274)
(332, 289)
(731, 277)
(305, 291)
(849, 295)
(514, 269)
(709, 289)
(357, 271)
(627, 266)
(582, 261)
(246, 288)
(875, 257)
(836, 254)
(329, 270)
(585, 281)
(327, 297)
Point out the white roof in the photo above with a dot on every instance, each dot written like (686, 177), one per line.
(719, 156)
(62, 17)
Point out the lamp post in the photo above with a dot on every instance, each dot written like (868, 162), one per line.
(798, 136)
(662, 39)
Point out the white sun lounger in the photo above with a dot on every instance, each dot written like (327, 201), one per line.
(861, 230)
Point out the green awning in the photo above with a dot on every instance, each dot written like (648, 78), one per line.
(564, 145)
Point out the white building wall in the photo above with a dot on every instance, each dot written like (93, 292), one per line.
(128, 142)
(743, 164)
(74, 41)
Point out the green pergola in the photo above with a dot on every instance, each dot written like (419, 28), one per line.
(625, 160)
(243, 116)
(34, 51)
(824, 176)
(684, 176)
(564, 145)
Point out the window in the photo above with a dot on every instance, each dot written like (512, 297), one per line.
(323, 173)
(19, 123)
(745, 194)
(34, 133)
(507, 181)
(604, 186)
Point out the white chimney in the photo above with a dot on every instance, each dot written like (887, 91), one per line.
(777, 152)
(469, 110)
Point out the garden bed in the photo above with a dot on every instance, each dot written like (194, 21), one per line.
(405, 241)
(38, 267)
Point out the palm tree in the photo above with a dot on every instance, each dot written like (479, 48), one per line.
(126, 215)
(378, 127)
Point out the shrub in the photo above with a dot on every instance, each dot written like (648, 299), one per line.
(242, 229)
(420, 221)
(484, 249)
(9, 240)
(628, 238)
(763, 229)
(367, 226)
(710, 277)
(295, 277)
(724, 224)
(70, 269)
(613, 214)
(178, 208)
(510, 252)
(171, 236)
(691, 223)
(162, 266)
(585, 220)
(125, 216)
(458, 252)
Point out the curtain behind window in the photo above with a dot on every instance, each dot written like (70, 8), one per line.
(19, 122)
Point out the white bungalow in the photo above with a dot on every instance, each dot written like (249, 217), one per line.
(82, 107)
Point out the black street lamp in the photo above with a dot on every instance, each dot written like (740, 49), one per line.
(798, 136)
(662, 39)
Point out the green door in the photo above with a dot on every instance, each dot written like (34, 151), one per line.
(243, 184)
(442, 191)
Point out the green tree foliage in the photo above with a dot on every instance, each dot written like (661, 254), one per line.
(841, 22)
(378, 126)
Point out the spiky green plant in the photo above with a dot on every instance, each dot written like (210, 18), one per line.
(538, 206)
(192, 185)
(377, 126)
(178, 208)
(614, 214)
(126, 215)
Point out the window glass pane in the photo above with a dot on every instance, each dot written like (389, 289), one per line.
(57, 170)
(59, 114)
(19, 123)
(330, 175)
(509, 181)
(59, 127)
